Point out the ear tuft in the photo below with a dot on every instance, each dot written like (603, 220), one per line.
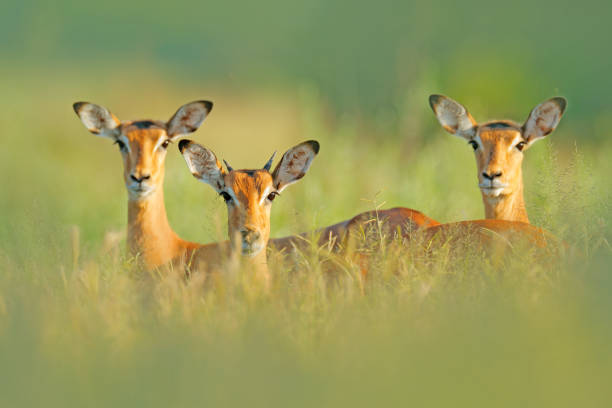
(188, 118)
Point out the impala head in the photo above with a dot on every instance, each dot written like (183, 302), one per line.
(498, 145)
(142, 143)
(248, 194)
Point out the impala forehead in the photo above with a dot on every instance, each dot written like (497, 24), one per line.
(498, 137)
(128, 126)
(249, 183)
(152, 136)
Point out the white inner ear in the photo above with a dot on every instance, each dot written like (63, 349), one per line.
(454, 116)
(543, 120)
(203, 165)
(293, 166)
(450, 113)
(98, 119)
(187, 119)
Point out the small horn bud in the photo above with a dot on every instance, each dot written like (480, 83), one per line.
(268, 165)
(229, 168)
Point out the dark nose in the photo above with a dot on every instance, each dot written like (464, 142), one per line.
(491, 176)
(140, 180)
(249, 235)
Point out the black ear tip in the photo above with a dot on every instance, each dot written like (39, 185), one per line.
(207, 104)
(77, 106)
(183, 144)
(315, 145)
(434, 100)
(561, 102)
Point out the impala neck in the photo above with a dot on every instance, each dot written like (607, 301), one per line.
(510, 207)
(149, 234)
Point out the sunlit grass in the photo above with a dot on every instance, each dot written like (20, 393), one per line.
(81, 326)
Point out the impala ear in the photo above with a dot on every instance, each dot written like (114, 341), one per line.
(453, 116)
(188, 118)
(202, 163)
(97, 119)
(543, 119)
(294, 164)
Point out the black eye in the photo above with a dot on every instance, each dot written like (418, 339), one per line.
(165, 144)
(520, 146)
(473, 144)
(272, 195)
(120, 144)
(226, 196)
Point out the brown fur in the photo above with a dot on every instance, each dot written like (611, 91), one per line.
(250, 215)
(499, 154)
(398, 219)
(488, 232)
(249, 194)
(149, 235)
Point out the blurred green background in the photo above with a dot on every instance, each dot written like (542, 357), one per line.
(362, 56)
(354, 75)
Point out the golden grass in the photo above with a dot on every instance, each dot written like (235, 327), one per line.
(81, 326)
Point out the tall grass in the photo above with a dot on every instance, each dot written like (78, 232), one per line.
(80, 326)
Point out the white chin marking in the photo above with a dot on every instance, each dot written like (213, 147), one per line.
(136, 194)
(492, 192)
(251, 252)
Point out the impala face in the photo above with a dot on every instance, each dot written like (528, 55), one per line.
(143, 149)
(143, 143)
(248, 194)
(499, 156)
(498, 145)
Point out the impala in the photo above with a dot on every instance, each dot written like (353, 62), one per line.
(143, 145)
(248, 195)
(499, 146)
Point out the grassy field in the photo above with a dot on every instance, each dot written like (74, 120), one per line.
(80, 327)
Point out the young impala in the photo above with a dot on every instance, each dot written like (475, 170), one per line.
(248, 195)
(499, 146)
(143, 145)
